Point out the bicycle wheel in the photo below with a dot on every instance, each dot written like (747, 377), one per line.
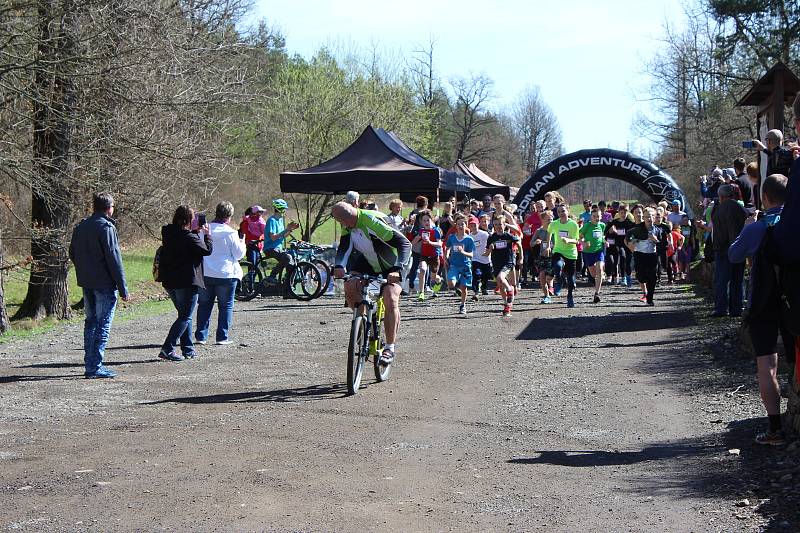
(381, 371)
(250, 285)
(304, 281)
(355, 353)
(327, 275)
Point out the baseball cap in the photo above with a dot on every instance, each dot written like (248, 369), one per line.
(473, 220)
(676, 202)
(258, 209)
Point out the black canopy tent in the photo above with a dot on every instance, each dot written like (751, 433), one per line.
(479, 183)
(377, 162)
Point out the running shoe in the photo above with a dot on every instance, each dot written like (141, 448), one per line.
(596, 298)
(621, 282)
(474, 297)
(772, 438)
(643, 298)
(434, 295)
(421, 296)
(628, 281)
(462, 309)
(100, 373)
(547, 300)
(507, 310)
(570, 302)
(497, 290)
(650, 303)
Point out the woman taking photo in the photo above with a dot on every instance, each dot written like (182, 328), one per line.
(221, 273)
(181, 271)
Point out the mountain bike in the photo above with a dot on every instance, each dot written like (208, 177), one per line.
(366, 333)
(301, 280)
(307, 251)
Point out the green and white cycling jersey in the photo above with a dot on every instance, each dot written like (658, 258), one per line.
(382, 246)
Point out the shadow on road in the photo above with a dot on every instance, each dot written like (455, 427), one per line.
(105, 363)
(592, 458)
(298, 394)
(16, 379)
(623, 322)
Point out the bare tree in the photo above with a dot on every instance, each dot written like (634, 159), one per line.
(470, 116)
(536, 128)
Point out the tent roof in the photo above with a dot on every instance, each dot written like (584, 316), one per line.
(480, 183)
(377, 162)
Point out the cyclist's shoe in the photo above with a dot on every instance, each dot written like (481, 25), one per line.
(772, 438)
(272, 280)
(387, 357)
(462, 309)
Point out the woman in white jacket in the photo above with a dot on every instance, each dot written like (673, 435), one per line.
(221, 273)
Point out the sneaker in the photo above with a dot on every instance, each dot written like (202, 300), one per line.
(650, 303)
(557, 286)
(570, 301)
(621, 282)
(643, 298)
(474, 297)
(772, 438)
(100, 373)
(171, 356)
(224, 342)
(434, 295)
(462, 309)
(596, 298)
(421, 296)
(628, 281)
(547, 300)
(201, 343)
(485, 292)
(507, 310)
(191, 355)
(387, 357)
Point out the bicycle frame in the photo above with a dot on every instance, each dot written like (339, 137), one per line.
(374, 311)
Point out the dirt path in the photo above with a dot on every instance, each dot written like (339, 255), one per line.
(599, 418)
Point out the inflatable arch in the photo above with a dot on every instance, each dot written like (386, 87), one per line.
(601, 163)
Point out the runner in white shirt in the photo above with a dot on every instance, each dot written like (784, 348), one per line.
(481, 264)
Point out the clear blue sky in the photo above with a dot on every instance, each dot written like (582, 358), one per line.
(587, 57)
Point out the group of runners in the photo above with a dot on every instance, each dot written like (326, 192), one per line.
(470, 244)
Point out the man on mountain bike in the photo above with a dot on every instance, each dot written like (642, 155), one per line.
(369, 245)
(275, 233)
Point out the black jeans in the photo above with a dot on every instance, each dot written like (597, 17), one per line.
(647, 272)
(281, 257)
(565, 267)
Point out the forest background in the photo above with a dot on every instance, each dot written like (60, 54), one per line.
(178, 101)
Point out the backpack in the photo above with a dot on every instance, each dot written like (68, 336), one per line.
(157, 264)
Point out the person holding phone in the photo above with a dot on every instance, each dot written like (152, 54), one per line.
(181, 270)
(564, 234)
(275, 234)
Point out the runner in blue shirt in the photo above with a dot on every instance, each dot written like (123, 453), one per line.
(460, 248)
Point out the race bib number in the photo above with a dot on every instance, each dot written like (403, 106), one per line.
(564, 234)
(500, 245)
(597, 234)
(610, 242)
(526, 231)
(619, 231)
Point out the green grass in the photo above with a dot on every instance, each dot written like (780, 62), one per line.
(148, 298)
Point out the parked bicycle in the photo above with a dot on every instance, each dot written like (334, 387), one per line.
(366, 333)
(300, 279)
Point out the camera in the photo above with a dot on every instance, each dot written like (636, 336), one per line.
(201, 220)
(748, 144)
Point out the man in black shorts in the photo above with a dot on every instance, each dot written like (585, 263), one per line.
(764, 317)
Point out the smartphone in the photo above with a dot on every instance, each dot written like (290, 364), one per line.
(201, 220)
(748, 144)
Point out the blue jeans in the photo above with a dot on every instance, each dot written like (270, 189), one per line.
(184, 300)
(728, 285)
(99, 305)
(221, 289)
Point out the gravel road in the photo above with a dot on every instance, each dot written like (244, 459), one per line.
(608, 417)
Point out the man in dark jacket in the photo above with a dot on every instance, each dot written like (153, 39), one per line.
(94, 250)
(727, 220)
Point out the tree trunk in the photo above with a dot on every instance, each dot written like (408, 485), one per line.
(4, 323)
(54, 106)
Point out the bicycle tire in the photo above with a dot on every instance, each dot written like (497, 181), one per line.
(250, 284)
(328, 278)
(355, 353)
(303, 281)
(381, 371)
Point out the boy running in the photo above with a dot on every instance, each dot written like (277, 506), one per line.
(481, 264)
(565, 235)
(429, 237)
(460, 249)
(592, 235)
(541, 250)
(501, 247)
